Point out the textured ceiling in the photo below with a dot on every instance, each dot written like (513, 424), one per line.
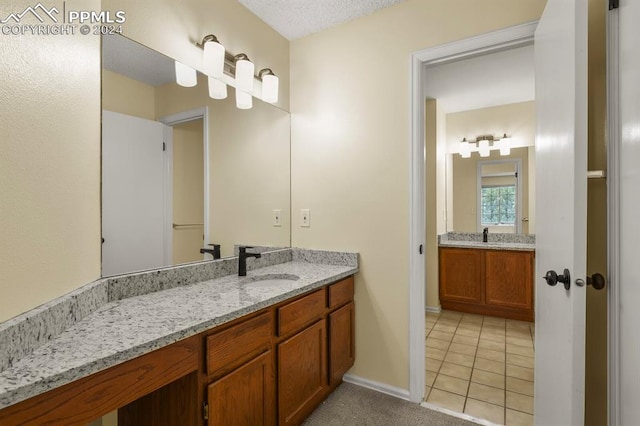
(298, 18)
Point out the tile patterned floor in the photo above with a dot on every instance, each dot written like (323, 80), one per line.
(481, 366)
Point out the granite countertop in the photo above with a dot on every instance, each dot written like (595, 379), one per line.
(124, 329)
(497, 241)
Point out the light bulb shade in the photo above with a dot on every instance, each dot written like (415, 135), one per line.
(217, 89)
(185, 75)
(505, 146)
(213, 58)
(483, 148)
(244, 75)
(270, 85)
(243, 100)
(465, 149)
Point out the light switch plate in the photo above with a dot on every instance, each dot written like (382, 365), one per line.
(277, 217)
(305, 218)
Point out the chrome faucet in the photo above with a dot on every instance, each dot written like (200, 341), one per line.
(485, 234)
(242, 259)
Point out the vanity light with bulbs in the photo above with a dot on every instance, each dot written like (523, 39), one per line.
(226, 69)
(484, 144)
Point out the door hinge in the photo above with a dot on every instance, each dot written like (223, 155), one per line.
(614, 4)
(164, 146)
(205, 410)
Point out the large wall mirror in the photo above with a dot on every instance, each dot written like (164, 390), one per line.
(181, 171)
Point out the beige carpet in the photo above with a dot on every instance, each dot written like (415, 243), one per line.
(354, 405)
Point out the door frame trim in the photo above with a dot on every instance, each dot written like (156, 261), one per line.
(512, 37)
(173, 120)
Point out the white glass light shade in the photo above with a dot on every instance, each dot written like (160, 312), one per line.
(270, 85)
(244, 75)
(483, 148)
(213, 59)
(185, 75)
(465, 149)
(243, 100)
(217, 89)
(505, 146)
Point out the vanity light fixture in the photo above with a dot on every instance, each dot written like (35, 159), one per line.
(270, 85)
(243, 100)
(213, 56)
(244, 72)
(185, 75)
(483, 147)
(217, 89)
(505, 145)
(465, 149)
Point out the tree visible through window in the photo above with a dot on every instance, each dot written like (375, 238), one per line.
(498, 205)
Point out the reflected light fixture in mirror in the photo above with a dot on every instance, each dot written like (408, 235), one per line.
(217, 89)
(465, 149)
(244, 72)
(505, 145)
(185, 75)
(483, 148)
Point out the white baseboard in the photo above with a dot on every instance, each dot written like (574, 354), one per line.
(377, 386)
(433, 310)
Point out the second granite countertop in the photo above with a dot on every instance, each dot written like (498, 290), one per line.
(496, 241)
(122, 330)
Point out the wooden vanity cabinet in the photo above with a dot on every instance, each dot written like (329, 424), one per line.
(487, 282)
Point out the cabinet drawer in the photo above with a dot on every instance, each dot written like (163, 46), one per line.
(296, 315)
(236, 345)
(340, 293)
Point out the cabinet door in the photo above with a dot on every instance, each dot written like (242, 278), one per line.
(461, 275)
(509, 279)
(341, 342)
(244, 397)
(302, 373)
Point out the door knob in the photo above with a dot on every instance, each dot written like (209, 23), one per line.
(552, 278)
(597, 281)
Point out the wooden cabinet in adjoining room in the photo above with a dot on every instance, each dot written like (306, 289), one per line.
(487, 282)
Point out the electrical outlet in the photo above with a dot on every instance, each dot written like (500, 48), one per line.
(277, 217)
(305, 218)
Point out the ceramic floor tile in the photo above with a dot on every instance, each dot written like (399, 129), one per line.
(516, 418)
(478, 319)
(445, 328)
(430, 378)
(462, 349)
(493, 337)
(459, 359)
(435, 353)
(451, 384)
(441, 336)
(455, 370)
(432, 364)
(470, 329)
(520, 361)
(486, 394)
(490, 344)
(451, 314)
(446, 400)
(520, 342)
(427, 389)
(465, 340)
(483, 410)
(519, 402)
(524, 387)
(467, 332)
(488, 378)
(521, 334)
(493, 329)
(520, 350)
(437, 344)
(494, 321)
(491, 355)
(449, 321)
(488, 365)
(520, 372)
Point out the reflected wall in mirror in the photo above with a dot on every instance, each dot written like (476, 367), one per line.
(495, 192)
(180, 170)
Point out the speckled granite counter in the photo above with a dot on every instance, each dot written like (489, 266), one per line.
(123, 329)
(496, 241)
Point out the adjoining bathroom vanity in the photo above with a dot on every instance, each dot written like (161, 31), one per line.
(192, 345)
(488, 278)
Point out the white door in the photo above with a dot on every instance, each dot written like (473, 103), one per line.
(561, 191)
(628, 280)
(132, 194)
